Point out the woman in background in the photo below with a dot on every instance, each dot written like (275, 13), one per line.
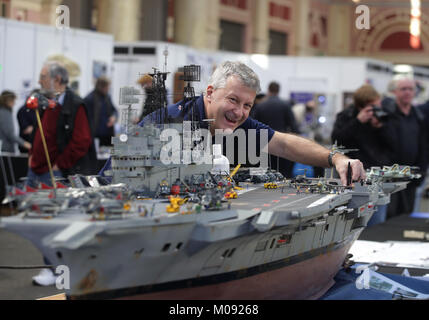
(7, 128)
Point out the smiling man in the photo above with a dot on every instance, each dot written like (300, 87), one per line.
(230, 95)
(228, 101)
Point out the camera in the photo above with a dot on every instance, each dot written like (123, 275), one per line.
(379, 113)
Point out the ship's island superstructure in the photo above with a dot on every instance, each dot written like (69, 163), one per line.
(183, 231)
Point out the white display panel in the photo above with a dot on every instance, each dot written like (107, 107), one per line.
(19, 62)
(2, 50)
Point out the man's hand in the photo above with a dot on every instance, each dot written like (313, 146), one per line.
(341, 163)
(28, 130)
(365, 114)
(111, 121)
(27, 145)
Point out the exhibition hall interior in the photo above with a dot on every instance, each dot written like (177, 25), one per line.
(214, 150)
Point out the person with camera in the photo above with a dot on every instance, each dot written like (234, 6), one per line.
(362, 126)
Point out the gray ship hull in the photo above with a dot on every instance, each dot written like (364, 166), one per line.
(292, 248)
(304, 276)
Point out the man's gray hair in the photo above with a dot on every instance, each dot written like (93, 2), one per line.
(400, 78)
(234, 68)
(57, 69)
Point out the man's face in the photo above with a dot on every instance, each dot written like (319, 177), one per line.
(404, 92)
(229, 106)
(105, 90)
(11, 102)
(45, 80)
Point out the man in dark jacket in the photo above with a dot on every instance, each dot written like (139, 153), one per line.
(278, 114)
(27, 121)
(411, 143)
(101, 112)
(66, 130)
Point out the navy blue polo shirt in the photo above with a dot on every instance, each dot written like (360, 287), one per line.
(181, 111)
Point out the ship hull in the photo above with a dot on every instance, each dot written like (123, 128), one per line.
(305, 276)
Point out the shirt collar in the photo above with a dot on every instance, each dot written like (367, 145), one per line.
(61, 98)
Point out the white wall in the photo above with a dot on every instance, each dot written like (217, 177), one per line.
(2, 51)
(24, 47)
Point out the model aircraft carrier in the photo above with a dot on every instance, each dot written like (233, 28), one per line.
(185, 232)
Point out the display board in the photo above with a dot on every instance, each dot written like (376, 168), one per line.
(2, 51)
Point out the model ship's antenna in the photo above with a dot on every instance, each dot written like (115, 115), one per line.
(127, 96)
(191, 73)
(166, 58)
(157, 101)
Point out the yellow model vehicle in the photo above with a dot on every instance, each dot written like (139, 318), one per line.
(231, 195)
(270, 185)
(175, 203)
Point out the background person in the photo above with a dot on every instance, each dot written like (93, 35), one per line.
(27, 121)
(101, 112)
(7, 128)
(66, 129)
(358, 127)
(411, 142)
(277, 113)
(307, 119)
(260, 97)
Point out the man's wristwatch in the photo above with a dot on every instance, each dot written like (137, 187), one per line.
(331, 155)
